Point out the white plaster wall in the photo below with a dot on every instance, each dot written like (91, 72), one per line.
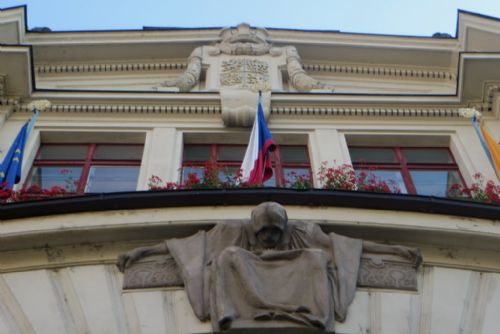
(88, 299)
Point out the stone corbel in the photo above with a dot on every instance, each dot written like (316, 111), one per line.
(298, 76)
(191, 76)
(239, 106)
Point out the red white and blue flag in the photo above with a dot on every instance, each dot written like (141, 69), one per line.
(257, 167)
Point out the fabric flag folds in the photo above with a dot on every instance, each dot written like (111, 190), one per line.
(257, 165)
(494, 150)
(10, 170)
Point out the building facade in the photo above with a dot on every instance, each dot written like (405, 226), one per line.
(129, 105)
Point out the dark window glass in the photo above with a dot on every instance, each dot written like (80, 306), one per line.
(393, 179)
(227, 159)
(294, 154)
(372, 155)
(197, 153)
(112, 178)
(231, 153)
(65, 177)
(434, 182)
(423, 171)
(118, 152)
(63, 152)
(427, 156)
(87, 168)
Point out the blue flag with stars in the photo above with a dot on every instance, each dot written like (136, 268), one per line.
(10, 170)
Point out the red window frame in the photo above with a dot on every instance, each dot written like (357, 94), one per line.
(278, 164)
(405, 167)
(85, 164)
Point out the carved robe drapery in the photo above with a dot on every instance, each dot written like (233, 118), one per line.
(309, 277)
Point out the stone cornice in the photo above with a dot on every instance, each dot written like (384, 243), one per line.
(367, 111)
(127, 108)
(9, 101)
(108, 67)
(357, 111)
(390, 71)
(489, 91)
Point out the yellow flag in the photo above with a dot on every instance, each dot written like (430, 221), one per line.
(494, 149)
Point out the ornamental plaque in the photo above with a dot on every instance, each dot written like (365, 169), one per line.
(243, 73)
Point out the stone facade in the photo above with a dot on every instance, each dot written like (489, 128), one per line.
(326, 91)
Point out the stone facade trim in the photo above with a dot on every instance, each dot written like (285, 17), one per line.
(107, 67)
(293, 110)
(404, 72)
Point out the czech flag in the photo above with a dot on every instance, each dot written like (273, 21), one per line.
(257, 165)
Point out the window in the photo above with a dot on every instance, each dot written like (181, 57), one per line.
(289, 161)
(87, 168)
(423, 171)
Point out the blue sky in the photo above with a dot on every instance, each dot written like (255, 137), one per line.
(397, 17)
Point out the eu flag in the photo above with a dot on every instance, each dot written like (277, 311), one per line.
(10, 170)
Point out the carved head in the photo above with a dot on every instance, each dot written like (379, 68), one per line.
(268, 222)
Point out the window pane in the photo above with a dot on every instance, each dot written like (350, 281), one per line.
(435, 182)
(393, 178)
(427, 156)
(118, 152)
(231, 153)
(198, 171)
(48, 177)
(196, 153)
(372, 155)
(294, 154)
(103, 179)
(228, 174)
(294, 177)
(63, 152)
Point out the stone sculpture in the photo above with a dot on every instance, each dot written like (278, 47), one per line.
(268, 272)
(245, 41)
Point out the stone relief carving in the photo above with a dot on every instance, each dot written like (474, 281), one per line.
(244, 41)
(191, 76)
(243, 73)
(298, 77)
(252, 274)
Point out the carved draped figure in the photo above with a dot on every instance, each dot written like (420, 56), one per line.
(308, 280)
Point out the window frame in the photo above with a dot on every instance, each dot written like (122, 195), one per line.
(86, 164)
(404, 167)
(278, 164)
